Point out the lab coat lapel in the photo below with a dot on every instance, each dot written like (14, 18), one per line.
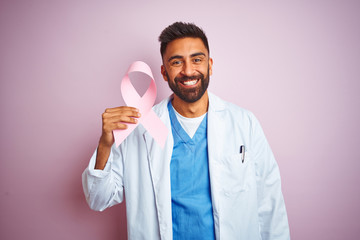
(159, 163)
(216, 139)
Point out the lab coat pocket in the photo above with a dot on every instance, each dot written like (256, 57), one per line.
(237, 175)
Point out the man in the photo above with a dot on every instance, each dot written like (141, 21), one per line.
(216, 178)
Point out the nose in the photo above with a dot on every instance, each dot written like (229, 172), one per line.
(188, 69)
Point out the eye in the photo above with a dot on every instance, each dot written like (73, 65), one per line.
(197, 60)
(176, 63)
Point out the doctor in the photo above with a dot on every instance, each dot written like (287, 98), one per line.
(216, 178)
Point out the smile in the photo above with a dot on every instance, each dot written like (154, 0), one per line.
(190, 82)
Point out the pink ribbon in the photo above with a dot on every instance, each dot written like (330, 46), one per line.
(148, 119)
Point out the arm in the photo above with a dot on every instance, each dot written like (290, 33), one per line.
(271, 206)
(103, 178)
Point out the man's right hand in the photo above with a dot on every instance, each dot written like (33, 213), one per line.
(112, 119)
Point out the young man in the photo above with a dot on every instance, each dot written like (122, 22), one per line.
(216, 178)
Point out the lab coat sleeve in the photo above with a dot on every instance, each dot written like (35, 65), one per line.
(271, 207)
(104, 188)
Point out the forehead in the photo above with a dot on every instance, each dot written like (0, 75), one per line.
(185, 46)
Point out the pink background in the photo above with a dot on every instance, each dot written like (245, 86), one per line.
(294, 64)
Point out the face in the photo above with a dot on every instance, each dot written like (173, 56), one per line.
(187, 68)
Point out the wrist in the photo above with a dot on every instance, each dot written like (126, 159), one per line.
(106, 141)
(103, 153)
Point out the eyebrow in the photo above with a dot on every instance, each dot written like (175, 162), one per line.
(192, 55)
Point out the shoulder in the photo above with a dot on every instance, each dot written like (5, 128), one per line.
(234, 117)
(161, 107)
(229, 109)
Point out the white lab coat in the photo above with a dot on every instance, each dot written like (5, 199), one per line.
(246, 197)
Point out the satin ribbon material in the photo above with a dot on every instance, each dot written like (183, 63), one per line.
(148, 119)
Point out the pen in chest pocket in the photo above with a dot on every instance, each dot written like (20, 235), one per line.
(242, 151)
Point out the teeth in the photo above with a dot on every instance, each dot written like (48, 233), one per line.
(189, 83)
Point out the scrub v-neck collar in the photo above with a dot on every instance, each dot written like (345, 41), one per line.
(175, 124)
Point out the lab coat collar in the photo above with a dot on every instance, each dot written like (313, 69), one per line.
(216, 130)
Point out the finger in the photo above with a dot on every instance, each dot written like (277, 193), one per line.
(108, 128)
(121, 118)
(120, 126)
(126, 113)
(122, 108)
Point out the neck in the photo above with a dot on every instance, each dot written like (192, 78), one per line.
(191, 110)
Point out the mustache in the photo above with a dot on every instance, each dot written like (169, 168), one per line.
(187, 78)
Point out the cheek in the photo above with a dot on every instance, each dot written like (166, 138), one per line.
(204, 69)
(172, 75)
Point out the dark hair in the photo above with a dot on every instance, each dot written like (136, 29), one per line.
(181, 30)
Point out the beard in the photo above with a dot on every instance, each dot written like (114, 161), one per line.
(189, 95)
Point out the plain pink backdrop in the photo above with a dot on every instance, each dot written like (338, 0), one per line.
(294, 64)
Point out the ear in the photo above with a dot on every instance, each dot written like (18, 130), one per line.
(210, 66)
(163, 73)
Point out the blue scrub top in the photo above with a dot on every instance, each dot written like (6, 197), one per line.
(192, 214)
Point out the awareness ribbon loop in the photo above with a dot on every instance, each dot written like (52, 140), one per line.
(148, 119)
